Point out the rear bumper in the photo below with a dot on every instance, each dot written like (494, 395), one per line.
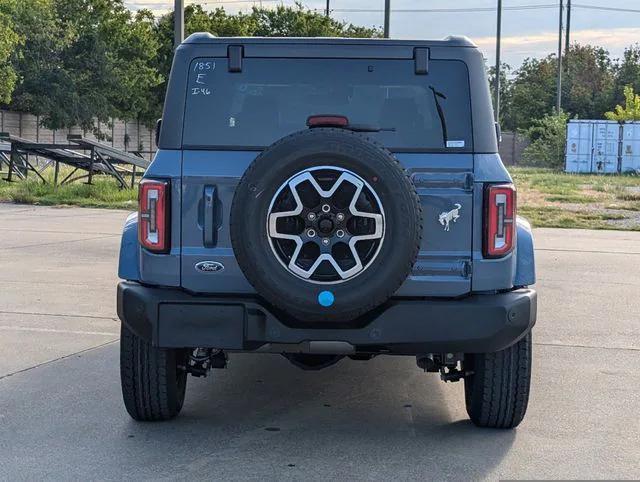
(172, 318)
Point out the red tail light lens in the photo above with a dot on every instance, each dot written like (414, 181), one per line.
(328, 120)
(153, 215)
(499, 220)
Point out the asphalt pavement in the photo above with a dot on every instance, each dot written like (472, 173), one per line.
(61, 414)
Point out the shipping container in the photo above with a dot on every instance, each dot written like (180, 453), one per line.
(579, 146)
(593, 146)
(630, 147)
(606, 141)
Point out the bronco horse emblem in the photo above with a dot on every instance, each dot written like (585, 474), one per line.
(446, 217)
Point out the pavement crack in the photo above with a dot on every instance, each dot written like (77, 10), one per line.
(59, 242)
(51, 231)
(64, 315)
(17, 211)
(50, 283)
(583, 281)
(49, 362)
(563, 250)
(594, 347)
(35, 329)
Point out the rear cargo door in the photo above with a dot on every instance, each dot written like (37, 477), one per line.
(236, 107)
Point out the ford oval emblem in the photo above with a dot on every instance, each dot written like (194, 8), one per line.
(209, 266)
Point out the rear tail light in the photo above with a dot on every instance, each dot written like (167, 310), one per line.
(327, 120)
(153, 215)
(499, 220)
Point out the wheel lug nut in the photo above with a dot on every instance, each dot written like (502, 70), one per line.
(326, 208)
(311, 216)
(326, 241)
(340, 217)
(340, 233)
(311, 233)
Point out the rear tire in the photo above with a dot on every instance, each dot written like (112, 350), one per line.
(153, 382)
(497, 393)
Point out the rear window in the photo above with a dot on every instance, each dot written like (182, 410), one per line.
(272, 98)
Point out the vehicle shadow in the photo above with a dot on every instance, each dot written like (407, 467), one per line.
(385, 417)
(261, 418)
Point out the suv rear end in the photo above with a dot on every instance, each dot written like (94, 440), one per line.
(329, 197)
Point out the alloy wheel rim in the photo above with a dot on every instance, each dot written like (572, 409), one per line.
(326, 225)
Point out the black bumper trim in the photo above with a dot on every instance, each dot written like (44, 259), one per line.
(173, 318)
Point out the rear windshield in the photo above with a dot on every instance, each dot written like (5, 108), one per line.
(272, 98)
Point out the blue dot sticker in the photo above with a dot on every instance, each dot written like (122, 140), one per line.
(326, 298)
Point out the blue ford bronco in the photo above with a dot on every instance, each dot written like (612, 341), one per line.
(323, 198)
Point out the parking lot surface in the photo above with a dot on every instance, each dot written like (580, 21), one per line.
(61, 414)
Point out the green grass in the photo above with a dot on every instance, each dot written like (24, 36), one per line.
(569, 198)
(551, 217)
(628, 196)
(632, 206)
(103, 193)
(559, 200)
(554, 182)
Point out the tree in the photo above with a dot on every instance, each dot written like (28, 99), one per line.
(532, 92)
(134, 47)
(548, 137)
(588, 84)
(37, 61)
(631, 109)
(587, 90)
(627, 72)
(301, 22)
(9, 40)
(84, 61)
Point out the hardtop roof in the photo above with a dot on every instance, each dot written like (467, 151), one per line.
(207, 38)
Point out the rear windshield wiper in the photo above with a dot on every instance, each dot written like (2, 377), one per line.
(368, 128)
(443, 123)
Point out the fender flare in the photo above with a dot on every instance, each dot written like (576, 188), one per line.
(525, 272)
(129, 263)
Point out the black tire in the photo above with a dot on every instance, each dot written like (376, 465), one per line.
(497, 393)
(310, 149)
(153, 385)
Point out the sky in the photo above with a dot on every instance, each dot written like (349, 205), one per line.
(525, 33)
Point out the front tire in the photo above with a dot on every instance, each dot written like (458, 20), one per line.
(497, 391)
(153, 379)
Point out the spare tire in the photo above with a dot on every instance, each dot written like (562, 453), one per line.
(326, 225)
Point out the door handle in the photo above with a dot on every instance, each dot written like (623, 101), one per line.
(209, 231)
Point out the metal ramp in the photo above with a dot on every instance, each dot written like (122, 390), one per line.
(85, 155)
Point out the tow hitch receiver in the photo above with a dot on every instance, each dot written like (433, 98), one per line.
(448, 364)
(202, 360)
